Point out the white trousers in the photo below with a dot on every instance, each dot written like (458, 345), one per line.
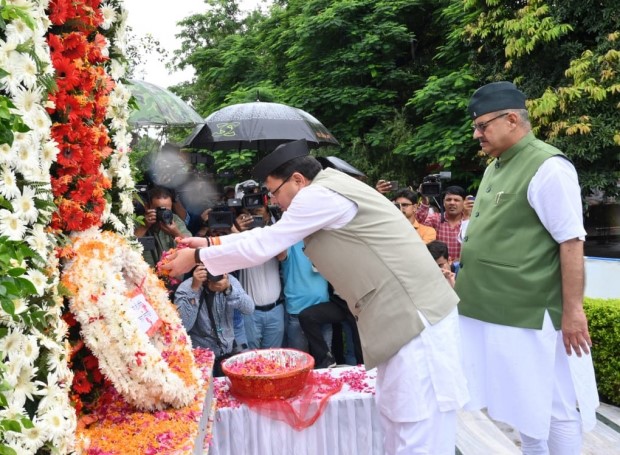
(435, 435)
(419, 390)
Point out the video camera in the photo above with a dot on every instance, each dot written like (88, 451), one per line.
(431, 184)
(221, 216)
(251, 195)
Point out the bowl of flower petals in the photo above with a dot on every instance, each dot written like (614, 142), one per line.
(268, 373)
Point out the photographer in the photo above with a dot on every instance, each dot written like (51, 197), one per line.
(206, 304)
(161, 224)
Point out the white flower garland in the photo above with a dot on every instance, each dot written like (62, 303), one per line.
(100, 276)
(33, 356)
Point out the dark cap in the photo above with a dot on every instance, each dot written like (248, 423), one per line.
(282, 154)
(494, 97)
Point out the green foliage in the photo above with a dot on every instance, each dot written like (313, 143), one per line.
(604, 324)
(391, 78)
(13, 287)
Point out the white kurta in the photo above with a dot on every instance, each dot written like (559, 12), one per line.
(514, 371)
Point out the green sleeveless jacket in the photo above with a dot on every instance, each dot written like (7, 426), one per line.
(510, 264)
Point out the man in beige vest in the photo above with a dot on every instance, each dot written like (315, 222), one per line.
(405, 309)
(525, 334)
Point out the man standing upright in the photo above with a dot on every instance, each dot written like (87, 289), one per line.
(521, 283)
(362, 245)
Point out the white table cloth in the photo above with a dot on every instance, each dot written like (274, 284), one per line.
(349, 424)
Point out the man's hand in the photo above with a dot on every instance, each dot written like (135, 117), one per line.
(199, 277)
(181, 261)
(150, 218)
(468, 206)
(383, 186)
(449, 276)
(191, 242)
(574, 323)
(243, 222)
(171, 229)
(575, 332)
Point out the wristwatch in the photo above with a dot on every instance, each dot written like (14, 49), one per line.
(197, 256)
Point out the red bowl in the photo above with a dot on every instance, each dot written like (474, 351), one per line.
(268, 373)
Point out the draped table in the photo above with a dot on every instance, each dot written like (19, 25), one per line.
(349, 424)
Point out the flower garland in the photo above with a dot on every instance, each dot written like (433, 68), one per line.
(118, 215)
(151, 373)
(35, 412)
(78, 52)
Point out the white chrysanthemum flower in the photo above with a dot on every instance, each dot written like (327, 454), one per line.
(25, 153)
(7, 49)
(126, 203)
(18, 31)
(25, 386)
(109, 15)
(123, 174)
(8, 183)
(117, 69)
(38, 239)
(26, 100)
(40, 123)
(28, 70)
(33, 438)
(38, 279)
(11, 344)
(12, 412)
(53, 423)
(7, 154)
(120, 40)
(30, 349)
(35, 173)
(20, 305)
(12, 225)
(24, 206)
(49, 151)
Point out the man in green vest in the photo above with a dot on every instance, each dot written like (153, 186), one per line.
(404, 308)
(526, 345)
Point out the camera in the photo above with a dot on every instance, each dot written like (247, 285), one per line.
(214, 278)
(252, 195)
(257, 221)
(221, 217)
(431, 184)
(164, 215)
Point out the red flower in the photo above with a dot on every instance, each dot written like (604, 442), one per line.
(81, 384)
(58, 11)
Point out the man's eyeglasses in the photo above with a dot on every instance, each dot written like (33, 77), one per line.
(483, 125)
(273, 193)
(401, 205)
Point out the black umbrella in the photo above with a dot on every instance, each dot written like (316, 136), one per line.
(260, 126)
(341, 165)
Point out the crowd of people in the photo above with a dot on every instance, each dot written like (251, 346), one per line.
(476, 305)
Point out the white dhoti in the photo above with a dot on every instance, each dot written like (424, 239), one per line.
(524, 377)
(419, 390)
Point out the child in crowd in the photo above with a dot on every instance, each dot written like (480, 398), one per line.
(439, 251)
